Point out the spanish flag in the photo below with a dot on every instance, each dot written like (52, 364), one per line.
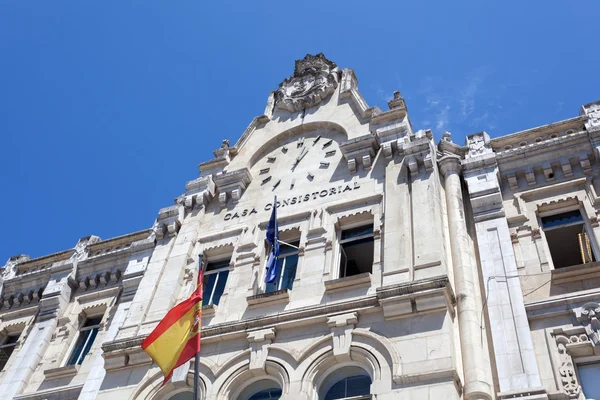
(176, 339)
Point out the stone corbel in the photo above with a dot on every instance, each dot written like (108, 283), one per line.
(168, 222)
(259, 348)
(232, 184)
(360, 150)
(341, 327)
(198, 192)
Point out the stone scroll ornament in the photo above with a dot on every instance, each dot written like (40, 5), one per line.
(314, 79)
(568, 377)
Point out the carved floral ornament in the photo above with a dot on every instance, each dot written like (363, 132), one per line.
(314, 79)
(579, 341)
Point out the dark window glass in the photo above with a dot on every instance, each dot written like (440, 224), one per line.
(561, 219)
(214, 286)
(286, 271)
(358, 385)
(85, 340)
(267, 394)
(356, 232)
(7, 348)
(356, 251)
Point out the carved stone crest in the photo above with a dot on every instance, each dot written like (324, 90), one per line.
(314, 79)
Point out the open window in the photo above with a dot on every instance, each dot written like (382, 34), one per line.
(85, 339)
(568, 239)
(356, 250)
(7, 348)
(286, 271)
(215, 278)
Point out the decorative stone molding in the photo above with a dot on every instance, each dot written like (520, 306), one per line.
(259, 348)
(232, 184)
(353, 282)
(589, 316)
(449, 164)
(567, 377)
(99, 279)
(348, 83)
(168, 222)
(314, 79)
(360, 150)
(592, 111)
(478, 144)
(268, 299)
(198, 192)
(341, 327)
(81, 248)
(425, 295)
(9, 269)
(397, 102)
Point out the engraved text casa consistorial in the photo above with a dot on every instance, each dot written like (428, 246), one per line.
(290, 201)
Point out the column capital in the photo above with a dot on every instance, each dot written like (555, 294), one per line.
(449, 165)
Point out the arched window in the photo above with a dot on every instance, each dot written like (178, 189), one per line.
(266, 394)
(183, 396)
(346, 382)
(262, 390)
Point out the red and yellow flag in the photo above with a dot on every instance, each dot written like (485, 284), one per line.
(176, 339)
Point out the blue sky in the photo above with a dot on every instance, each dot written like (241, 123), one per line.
(107, 107)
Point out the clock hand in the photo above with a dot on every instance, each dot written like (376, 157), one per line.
(300, 157)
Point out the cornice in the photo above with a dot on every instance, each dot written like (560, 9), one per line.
(420, 288)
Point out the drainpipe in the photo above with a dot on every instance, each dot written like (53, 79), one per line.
(476, 386)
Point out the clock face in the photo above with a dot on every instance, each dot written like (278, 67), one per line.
(297, 162)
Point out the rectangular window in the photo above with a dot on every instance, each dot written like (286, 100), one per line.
(215, 278)
(568, 239)
(356, 250)
(7, 348)
(286, 273)
(588, 377)
(87, 334)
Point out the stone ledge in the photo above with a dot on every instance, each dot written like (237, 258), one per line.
(268, 299)
(61, 372)
(575, 273)
(309, 314)
(524, 394)
(354, 281)
(65, 392)
(209, 310)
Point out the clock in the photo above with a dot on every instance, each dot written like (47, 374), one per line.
(298, 160)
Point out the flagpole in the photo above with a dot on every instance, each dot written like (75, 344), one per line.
(197, 356)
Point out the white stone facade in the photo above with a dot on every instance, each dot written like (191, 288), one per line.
(460, 296)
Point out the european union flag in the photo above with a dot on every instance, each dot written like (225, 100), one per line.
(273, 239)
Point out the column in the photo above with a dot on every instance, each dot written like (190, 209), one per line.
(475, 379)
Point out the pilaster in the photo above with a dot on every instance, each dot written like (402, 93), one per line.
(514, 353)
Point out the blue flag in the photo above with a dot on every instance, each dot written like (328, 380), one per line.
(273, 239)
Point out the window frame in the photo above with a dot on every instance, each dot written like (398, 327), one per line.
(82, 328)
(216, 260)
(292, 252)
(341, 242)
(589, 230)
(14, 345)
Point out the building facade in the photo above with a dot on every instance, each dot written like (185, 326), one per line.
(410, 269)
